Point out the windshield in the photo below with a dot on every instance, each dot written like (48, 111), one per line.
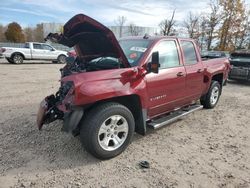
(134, 49)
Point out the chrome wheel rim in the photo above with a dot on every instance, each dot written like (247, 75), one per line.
(113, 132)
(17, 59)
(214, 95)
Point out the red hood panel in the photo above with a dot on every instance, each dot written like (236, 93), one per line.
(90, 38)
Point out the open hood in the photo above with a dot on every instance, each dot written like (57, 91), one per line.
(90, 39)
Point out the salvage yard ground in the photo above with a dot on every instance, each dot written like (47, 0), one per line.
(209, 148)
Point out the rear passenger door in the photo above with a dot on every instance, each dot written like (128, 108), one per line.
(166, 90)
(194, 69)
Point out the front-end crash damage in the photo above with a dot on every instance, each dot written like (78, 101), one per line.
(97, 49)
(60, 107)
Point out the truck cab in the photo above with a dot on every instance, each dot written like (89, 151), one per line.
(115, 88)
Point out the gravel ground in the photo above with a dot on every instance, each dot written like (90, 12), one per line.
(209, 148)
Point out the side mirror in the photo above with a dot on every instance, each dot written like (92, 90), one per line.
(52, 49)
(154, 65)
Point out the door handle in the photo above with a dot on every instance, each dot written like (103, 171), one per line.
(199, 71)
(179, 74)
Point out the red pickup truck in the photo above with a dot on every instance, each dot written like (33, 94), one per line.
(113, 89)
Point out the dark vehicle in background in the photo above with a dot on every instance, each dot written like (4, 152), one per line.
(214, 54)
(240, 66)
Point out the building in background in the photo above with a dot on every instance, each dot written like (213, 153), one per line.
(132, 30)
(51, 28)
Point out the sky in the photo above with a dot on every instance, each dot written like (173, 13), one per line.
(140, 12)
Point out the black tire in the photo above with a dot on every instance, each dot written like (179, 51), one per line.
(94, 119)
(10, 60)
(61, 59)
(208, 101)
(17, 59)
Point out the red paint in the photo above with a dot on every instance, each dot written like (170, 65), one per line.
(175, 91)
(159, 93)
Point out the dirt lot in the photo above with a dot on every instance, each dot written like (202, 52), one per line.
(209, 148)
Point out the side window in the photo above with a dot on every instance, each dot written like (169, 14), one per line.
(47, 47)
(168, 54)
(189, 52)
(26, 45)
(37, 46)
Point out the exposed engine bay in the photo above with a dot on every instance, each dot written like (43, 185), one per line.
(57, 106)
(78, 65)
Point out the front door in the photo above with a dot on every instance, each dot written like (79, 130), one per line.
(49, 52)
(166, 90)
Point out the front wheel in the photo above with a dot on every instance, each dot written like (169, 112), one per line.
(107, 130)
(212, 97)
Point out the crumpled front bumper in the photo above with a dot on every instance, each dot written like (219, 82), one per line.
(48, 111)
(41, 113)
(51, 109)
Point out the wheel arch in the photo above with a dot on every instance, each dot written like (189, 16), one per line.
(133, 103)
(61, 55)
(18, 53)
(219, 78)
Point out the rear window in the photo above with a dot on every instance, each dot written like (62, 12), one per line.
(37, 46)
(26, 45)
(189, 52)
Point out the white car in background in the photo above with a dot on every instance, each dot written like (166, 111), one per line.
(33, 51)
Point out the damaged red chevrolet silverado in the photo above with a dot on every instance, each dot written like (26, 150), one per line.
(113, 89)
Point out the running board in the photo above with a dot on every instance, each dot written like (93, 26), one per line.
(172, 117)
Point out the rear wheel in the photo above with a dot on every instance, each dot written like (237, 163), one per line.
(212, 97)
(107, 130)
(17, 59)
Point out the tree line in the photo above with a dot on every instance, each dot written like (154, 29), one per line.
(225, 27)
(13, 32)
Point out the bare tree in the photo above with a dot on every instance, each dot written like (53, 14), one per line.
(192, 25)
(38, 33)
(203, 31)
(120, 21)
(167, 26)
(212, 21)
(29, 34)
(134, 30)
